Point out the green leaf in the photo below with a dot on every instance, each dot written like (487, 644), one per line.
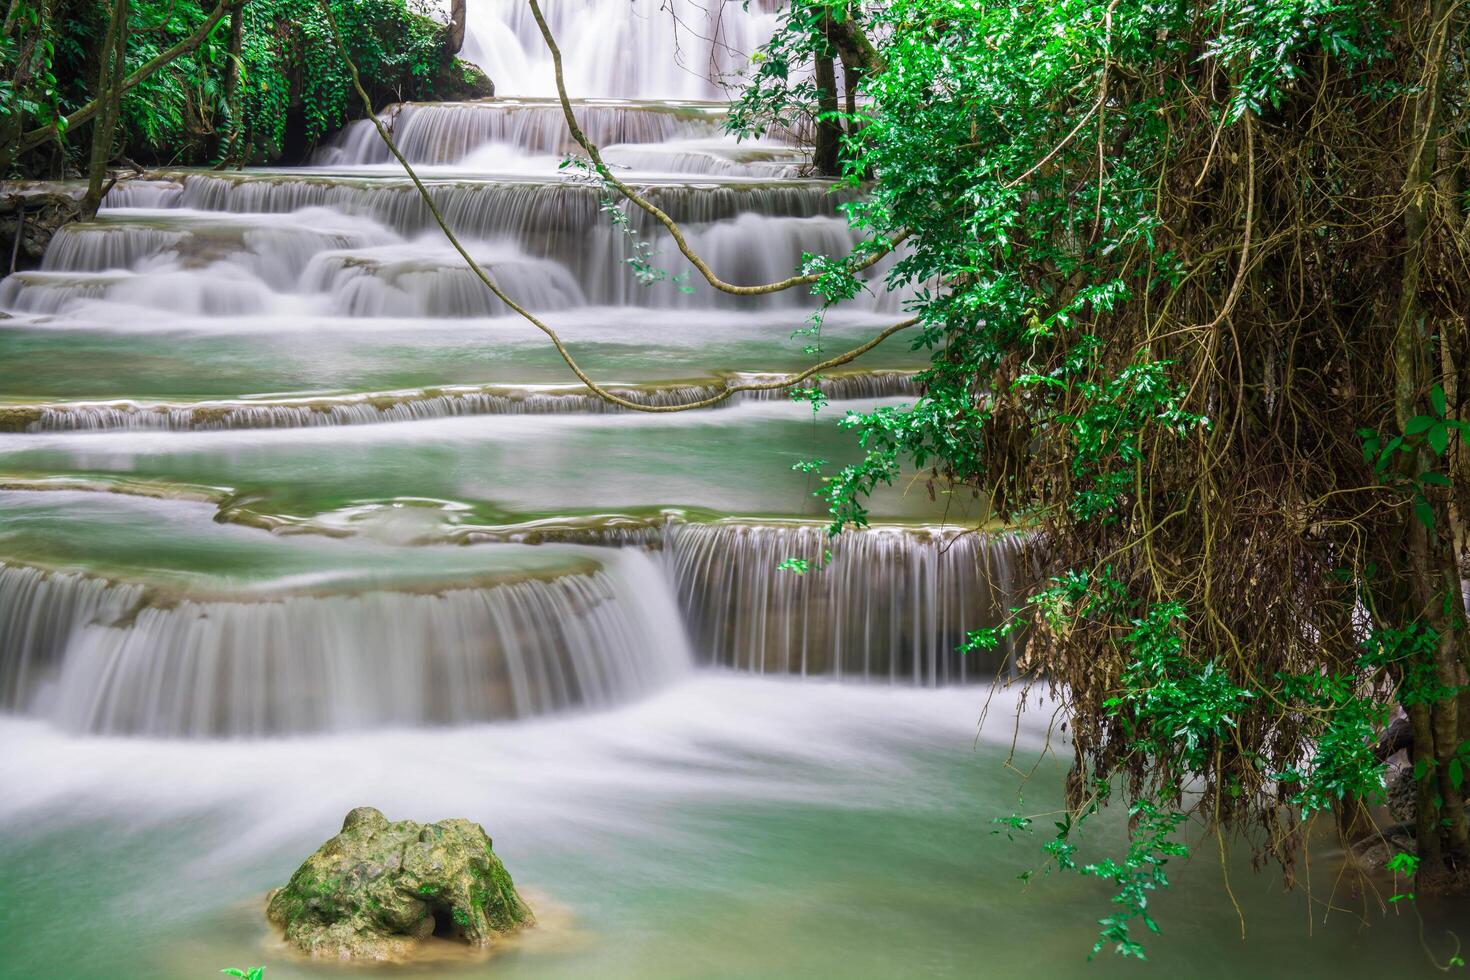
(1418, 424)
(1456, 772)
(1424, 512)
(1439, 439)
(1437, 400)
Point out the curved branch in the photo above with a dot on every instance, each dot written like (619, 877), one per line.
(659, 214)
(609, 396)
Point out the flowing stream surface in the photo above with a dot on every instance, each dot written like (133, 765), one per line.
(296, 517)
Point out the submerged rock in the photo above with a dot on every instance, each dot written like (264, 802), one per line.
(379, 888)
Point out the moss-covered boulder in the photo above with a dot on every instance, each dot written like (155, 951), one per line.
(380, 888)
(460, 81)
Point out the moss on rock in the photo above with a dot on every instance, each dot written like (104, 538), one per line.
(380, 888)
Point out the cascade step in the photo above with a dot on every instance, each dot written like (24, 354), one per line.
(525, 136)
(126, 615)
(473, 204)
(330, 249)
(415, 404)
(123, 614)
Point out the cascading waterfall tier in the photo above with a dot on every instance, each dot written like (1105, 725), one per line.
(120, 658)
(514, 135)
(476, 207)
(242, 245)
(892, 604)
(407, 406)
(445, 132)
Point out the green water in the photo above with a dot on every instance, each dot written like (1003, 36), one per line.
(728, 828)
(735, 461)
(180, 547)
(255, 357)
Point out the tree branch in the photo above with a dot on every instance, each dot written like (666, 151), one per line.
(661, 216)
(785, 381)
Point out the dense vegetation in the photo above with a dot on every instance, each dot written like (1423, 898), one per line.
(260, 80)
(1195, 283)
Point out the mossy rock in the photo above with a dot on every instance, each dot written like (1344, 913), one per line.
(379, 889)
(460, 81)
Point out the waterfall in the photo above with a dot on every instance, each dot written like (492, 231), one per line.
(713, 41)
(892, 604)
(93, 656)
(201, 306)
(370, 249)
(407, 406)
(447, 132)
(530, 135)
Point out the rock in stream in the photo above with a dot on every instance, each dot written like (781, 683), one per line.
(380, 888)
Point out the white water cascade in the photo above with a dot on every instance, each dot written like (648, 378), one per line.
(712, 41)
(160, 350)
(116, 658)
(892, 603)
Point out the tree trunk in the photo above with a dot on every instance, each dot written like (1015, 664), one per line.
(110, 78)
(1443, 831)
(454, 40)
(846, 35)
(825, 158)
(851, 76)
(232, 87)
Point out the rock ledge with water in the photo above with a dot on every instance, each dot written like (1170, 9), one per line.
(380, 888)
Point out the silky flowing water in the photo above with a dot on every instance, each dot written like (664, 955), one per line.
(295, 517)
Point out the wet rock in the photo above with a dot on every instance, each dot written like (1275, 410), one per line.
(32, 211)
(1403, 793)
(380, 888)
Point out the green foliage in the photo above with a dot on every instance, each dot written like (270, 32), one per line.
(31, 90)
(1421, 433)
(1342, 766)
(290, 62)
(1404, 866)
(1140, 872)
(1146, 297)
(249, 973)
(291, 86)
(1172, 707)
